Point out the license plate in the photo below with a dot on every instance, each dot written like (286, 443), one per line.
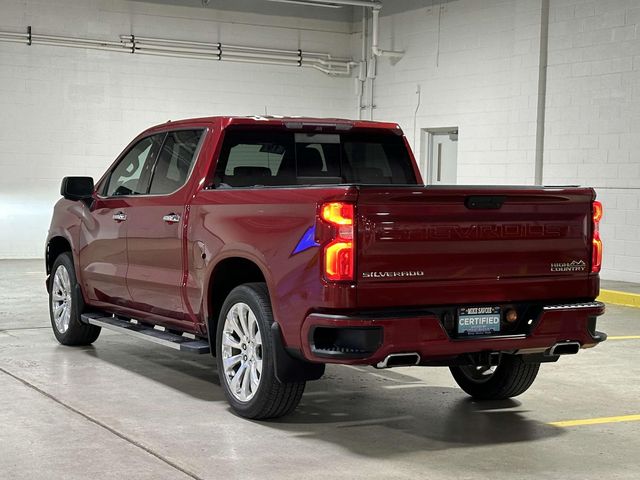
(478, 321)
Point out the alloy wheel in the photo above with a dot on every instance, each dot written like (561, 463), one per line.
(242, 352)
(61, 299)
(480, 373)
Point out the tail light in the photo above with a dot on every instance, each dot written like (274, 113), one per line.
(596, 256)
(340, 251)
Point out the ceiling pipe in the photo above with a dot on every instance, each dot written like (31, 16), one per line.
(130, 38)
(89, 41)
(163, 48)
(14, 34)
(362, 74)
(195, 56)
(203, 47)
(322, 62)
(374, 5)
(13, 39)
(375, 49)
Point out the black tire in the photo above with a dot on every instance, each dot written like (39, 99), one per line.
(509, 379)
(77, 332)
(271, 399)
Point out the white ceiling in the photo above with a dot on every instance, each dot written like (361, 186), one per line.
(344, 14)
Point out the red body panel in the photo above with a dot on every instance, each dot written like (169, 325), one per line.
(102, 247)
(425, 335)
(265, 226)
(161, 273)
(476, 256)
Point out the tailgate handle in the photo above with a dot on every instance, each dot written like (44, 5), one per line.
(484, 202)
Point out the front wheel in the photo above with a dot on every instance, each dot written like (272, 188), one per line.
(246, 358)
(66, 305)
(509, 379)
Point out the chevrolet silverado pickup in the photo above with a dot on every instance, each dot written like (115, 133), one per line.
(279, 245)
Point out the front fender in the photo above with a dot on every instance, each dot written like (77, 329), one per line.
(65, 225)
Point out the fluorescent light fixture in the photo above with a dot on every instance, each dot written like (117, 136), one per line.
(333, 3)
(308, 4)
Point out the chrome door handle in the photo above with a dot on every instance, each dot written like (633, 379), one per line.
(171, 218)
(120, 216)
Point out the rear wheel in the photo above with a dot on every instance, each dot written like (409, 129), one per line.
(509, 379)
(66, 305)
(245, 356)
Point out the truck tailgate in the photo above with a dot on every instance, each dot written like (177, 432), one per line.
(444, 245)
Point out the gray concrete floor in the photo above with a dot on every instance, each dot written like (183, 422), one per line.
(129, 409)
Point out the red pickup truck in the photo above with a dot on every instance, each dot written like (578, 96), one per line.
(283, 244)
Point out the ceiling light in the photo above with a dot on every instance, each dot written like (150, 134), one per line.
(310, 3)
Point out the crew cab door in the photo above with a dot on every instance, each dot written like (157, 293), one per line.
(155, 232)
(103, 233)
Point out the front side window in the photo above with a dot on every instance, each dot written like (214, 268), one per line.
(175, 162)
(131, 175)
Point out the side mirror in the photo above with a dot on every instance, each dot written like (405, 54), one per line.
(77, 188)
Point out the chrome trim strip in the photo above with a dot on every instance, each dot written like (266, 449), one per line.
(552, 351)
(574, 306)
(383, 364)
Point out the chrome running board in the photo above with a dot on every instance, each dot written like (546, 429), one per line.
(147, 332)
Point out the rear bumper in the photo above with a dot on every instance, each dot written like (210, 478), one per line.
(424, 334)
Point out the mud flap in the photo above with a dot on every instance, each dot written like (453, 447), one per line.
(78, 302)
(289, 369)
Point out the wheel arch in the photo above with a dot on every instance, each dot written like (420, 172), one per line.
(229, 273)
(234, 271)
(55, 246)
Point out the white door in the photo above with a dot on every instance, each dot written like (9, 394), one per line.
(441, 160)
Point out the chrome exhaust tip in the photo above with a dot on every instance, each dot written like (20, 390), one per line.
(565, 348)
(399, 360)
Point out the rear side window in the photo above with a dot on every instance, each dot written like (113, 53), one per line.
(175, 161)
(275, 158)
(255, 155)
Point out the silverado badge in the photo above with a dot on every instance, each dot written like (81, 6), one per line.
(412, 273)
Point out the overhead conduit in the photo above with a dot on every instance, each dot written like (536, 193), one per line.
(323, 62)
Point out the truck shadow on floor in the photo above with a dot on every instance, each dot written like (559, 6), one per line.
(194, 375)
(394, 413)
(376, 414)
(442, 420)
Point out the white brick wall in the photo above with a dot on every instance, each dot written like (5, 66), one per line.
(485, 81)
(593, 117)
(70, 111)
(479, 75)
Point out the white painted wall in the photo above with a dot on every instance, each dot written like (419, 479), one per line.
(476, 64)
(67, 111)
(480, 73)
(593, 117)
